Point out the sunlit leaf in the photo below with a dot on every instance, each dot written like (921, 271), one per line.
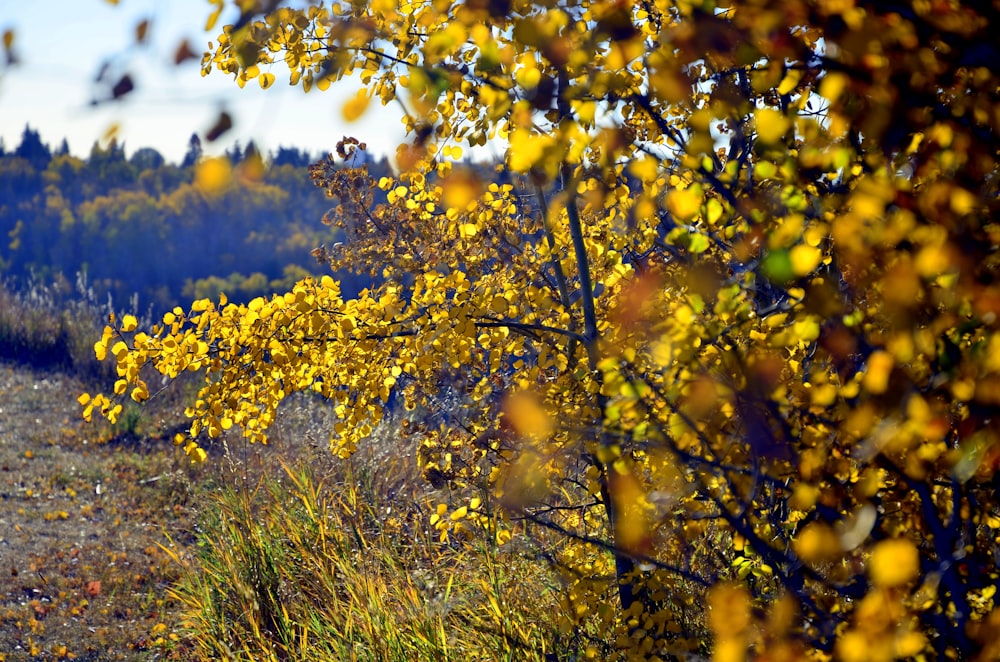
(771, 125)
(460, 188)
(684, 204)
(880, 366)
(894, 562)
(804, 259)
(213, 174)
(355, 107)
(526, 415)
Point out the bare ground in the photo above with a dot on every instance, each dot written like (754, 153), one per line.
(84, 511)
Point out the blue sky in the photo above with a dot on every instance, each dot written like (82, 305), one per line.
(62, 44)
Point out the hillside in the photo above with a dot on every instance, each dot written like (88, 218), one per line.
(139, 226)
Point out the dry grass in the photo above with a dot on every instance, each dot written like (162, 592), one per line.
(54, 327)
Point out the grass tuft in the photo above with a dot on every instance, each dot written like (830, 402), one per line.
(302, 567)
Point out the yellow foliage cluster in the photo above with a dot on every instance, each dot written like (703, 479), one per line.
(728, 324)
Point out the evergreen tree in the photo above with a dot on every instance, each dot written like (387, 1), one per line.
(193, 153)
(292, 156)
(147, 158)
(33, 149)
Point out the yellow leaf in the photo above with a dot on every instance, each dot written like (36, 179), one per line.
(585, 110)
(791, 79)
(212, 175)
(265, 80)
(632, 517)
(683, 203)
(527, 148)
(730, 649)
(645, 168)
(876, 379)
(823, 395)
(833, 86)
(933, 260)
(111, 132)
(356, 106)
(894, 562)
(910, 644)
(962, 201)
(499, 305)
(120, 349)
(460, 188)
(728, 610)
(140, 393)
(195, 452)
(804, 259)
(525, 413)
(816, 543)
(771, 125)
(129, 323)
(214, 16)
(853, 646)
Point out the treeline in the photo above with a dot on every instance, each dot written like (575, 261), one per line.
(139, 225)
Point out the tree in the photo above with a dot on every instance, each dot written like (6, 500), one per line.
(730, 331)
(33, 150)
(193, 153)
(147, 158)
(292, 156)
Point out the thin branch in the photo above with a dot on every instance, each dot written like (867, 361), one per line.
(617, 551)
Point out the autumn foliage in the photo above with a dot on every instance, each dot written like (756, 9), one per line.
(726, 323)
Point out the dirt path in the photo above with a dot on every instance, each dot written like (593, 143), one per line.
(82, 574)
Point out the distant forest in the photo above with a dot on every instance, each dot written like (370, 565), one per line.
(139, 226)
